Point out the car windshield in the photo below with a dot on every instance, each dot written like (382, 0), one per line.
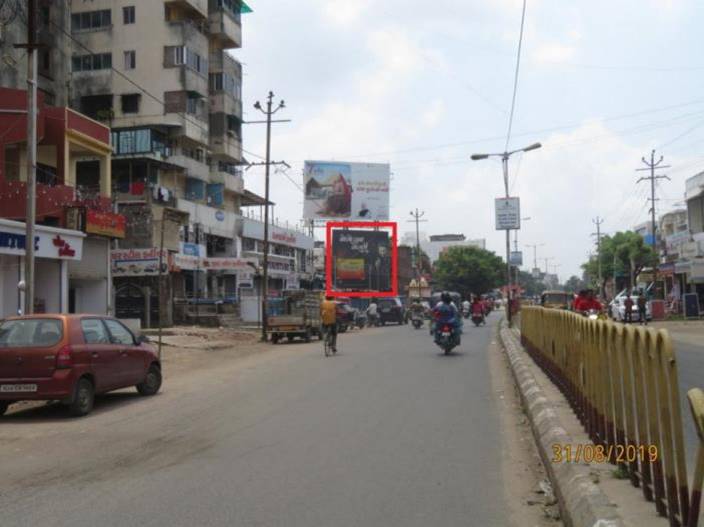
(35, 332)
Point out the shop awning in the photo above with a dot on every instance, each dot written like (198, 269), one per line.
(244, 8)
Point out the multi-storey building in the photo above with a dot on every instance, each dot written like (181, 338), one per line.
(53, 68)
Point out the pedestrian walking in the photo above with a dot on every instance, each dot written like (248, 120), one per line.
(642, 311)
(628, 309)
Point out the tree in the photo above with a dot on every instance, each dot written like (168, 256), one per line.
(531, 285)
(574, 284)
(623, 256)
(469, 270)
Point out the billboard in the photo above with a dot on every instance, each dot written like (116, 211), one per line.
(346, 191)
(361, 261)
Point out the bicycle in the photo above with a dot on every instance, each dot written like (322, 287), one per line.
(327, 343)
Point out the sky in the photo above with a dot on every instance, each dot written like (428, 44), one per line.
(423, 85)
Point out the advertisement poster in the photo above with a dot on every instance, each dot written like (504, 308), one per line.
(138, 262)
(346, 191)
(361, 260)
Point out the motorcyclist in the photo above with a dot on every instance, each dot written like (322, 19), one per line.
(581, 302)
(466, 307)
(478, 307)
(445, 312)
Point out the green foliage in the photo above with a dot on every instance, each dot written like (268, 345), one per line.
(622, 253)
(531, 286)
(469, 270)
(574, 284)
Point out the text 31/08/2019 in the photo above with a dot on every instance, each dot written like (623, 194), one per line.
(603, 454)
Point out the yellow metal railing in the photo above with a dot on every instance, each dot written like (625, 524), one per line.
(622, 383)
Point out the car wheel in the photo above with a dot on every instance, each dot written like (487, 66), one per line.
(3, 407)
(152, 382)
(83, 398)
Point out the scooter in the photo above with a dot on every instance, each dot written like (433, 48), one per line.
(417, 321)
(360, 319)
(465, 313)
(446, 338)
(478, 319)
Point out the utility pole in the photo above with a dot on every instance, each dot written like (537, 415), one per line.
(31, 47)
(417, 220)
(598, 222)
(269, 112)
(535, 253)
(652, 166)
(546, 263)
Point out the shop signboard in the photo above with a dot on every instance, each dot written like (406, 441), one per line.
(49, 242)
(508, 213)
(105, 224)
(138, 262)
(229, 264)
(346, 191)
(255, 230)
(696, 271)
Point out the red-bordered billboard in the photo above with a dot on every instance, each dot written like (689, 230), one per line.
(351, 267)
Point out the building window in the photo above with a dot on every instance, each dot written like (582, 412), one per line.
(130, 60)
(128, 14)
(130, 103)
(227, 83)
(98, 61)
(182, 56)
(91, 20)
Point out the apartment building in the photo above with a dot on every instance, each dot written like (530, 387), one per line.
(53, 25)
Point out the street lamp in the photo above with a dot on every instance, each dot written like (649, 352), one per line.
(504, 161)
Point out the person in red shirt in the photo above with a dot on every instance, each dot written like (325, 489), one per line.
(580, 302)
(592, 302)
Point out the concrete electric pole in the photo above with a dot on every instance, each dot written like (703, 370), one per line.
(417, 220)
(598, 222)
(30, 216)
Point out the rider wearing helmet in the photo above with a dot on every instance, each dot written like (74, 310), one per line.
(445, 312)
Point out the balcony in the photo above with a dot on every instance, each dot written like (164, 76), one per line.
(233, 182)
(192, 7)
(227, 146)
(223, 102)
(192, 167)
(225, 28)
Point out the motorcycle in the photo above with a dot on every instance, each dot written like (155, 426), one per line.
(465, 312)
(360, 319)
(446, 338)
(594, 314)
(373, 321)
(417, 321)
(478, 319)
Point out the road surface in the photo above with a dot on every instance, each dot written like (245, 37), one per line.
(387, 433)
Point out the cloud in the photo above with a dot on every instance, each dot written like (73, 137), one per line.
(434, 114)
(344, 12)
(552, 53)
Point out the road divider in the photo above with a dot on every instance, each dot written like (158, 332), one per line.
(622, 383)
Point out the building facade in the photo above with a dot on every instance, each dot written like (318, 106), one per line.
(73, 204)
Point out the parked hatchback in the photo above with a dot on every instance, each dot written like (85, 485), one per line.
(71, 358)
(391, 310)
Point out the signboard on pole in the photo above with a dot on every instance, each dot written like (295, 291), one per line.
(516, 258)
(508, 214)
(346, 191)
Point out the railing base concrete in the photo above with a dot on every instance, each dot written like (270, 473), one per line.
(582, 503)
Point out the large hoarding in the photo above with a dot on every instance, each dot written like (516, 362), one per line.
(346, 191)
(361, 262)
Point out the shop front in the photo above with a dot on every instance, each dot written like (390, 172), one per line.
(56, 250)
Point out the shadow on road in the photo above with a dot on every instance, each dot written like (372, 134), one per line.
(53, 411)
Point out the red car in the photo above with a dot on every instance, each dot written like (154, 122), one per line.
(70, 358)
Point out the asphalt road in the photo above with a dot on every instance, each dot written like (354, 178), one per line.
(690, 367)
(387, 433)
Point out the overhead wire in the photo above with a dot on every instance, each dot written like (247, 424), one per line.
(515, 79)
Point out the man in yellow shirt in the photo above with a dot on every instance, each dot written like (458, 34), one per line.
(328, 314)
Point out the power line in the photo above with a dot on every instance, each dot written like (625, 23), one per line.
(515, 79)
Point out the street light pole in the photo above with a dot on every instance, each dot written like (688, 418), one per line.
(417, 215)
(504, 163)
